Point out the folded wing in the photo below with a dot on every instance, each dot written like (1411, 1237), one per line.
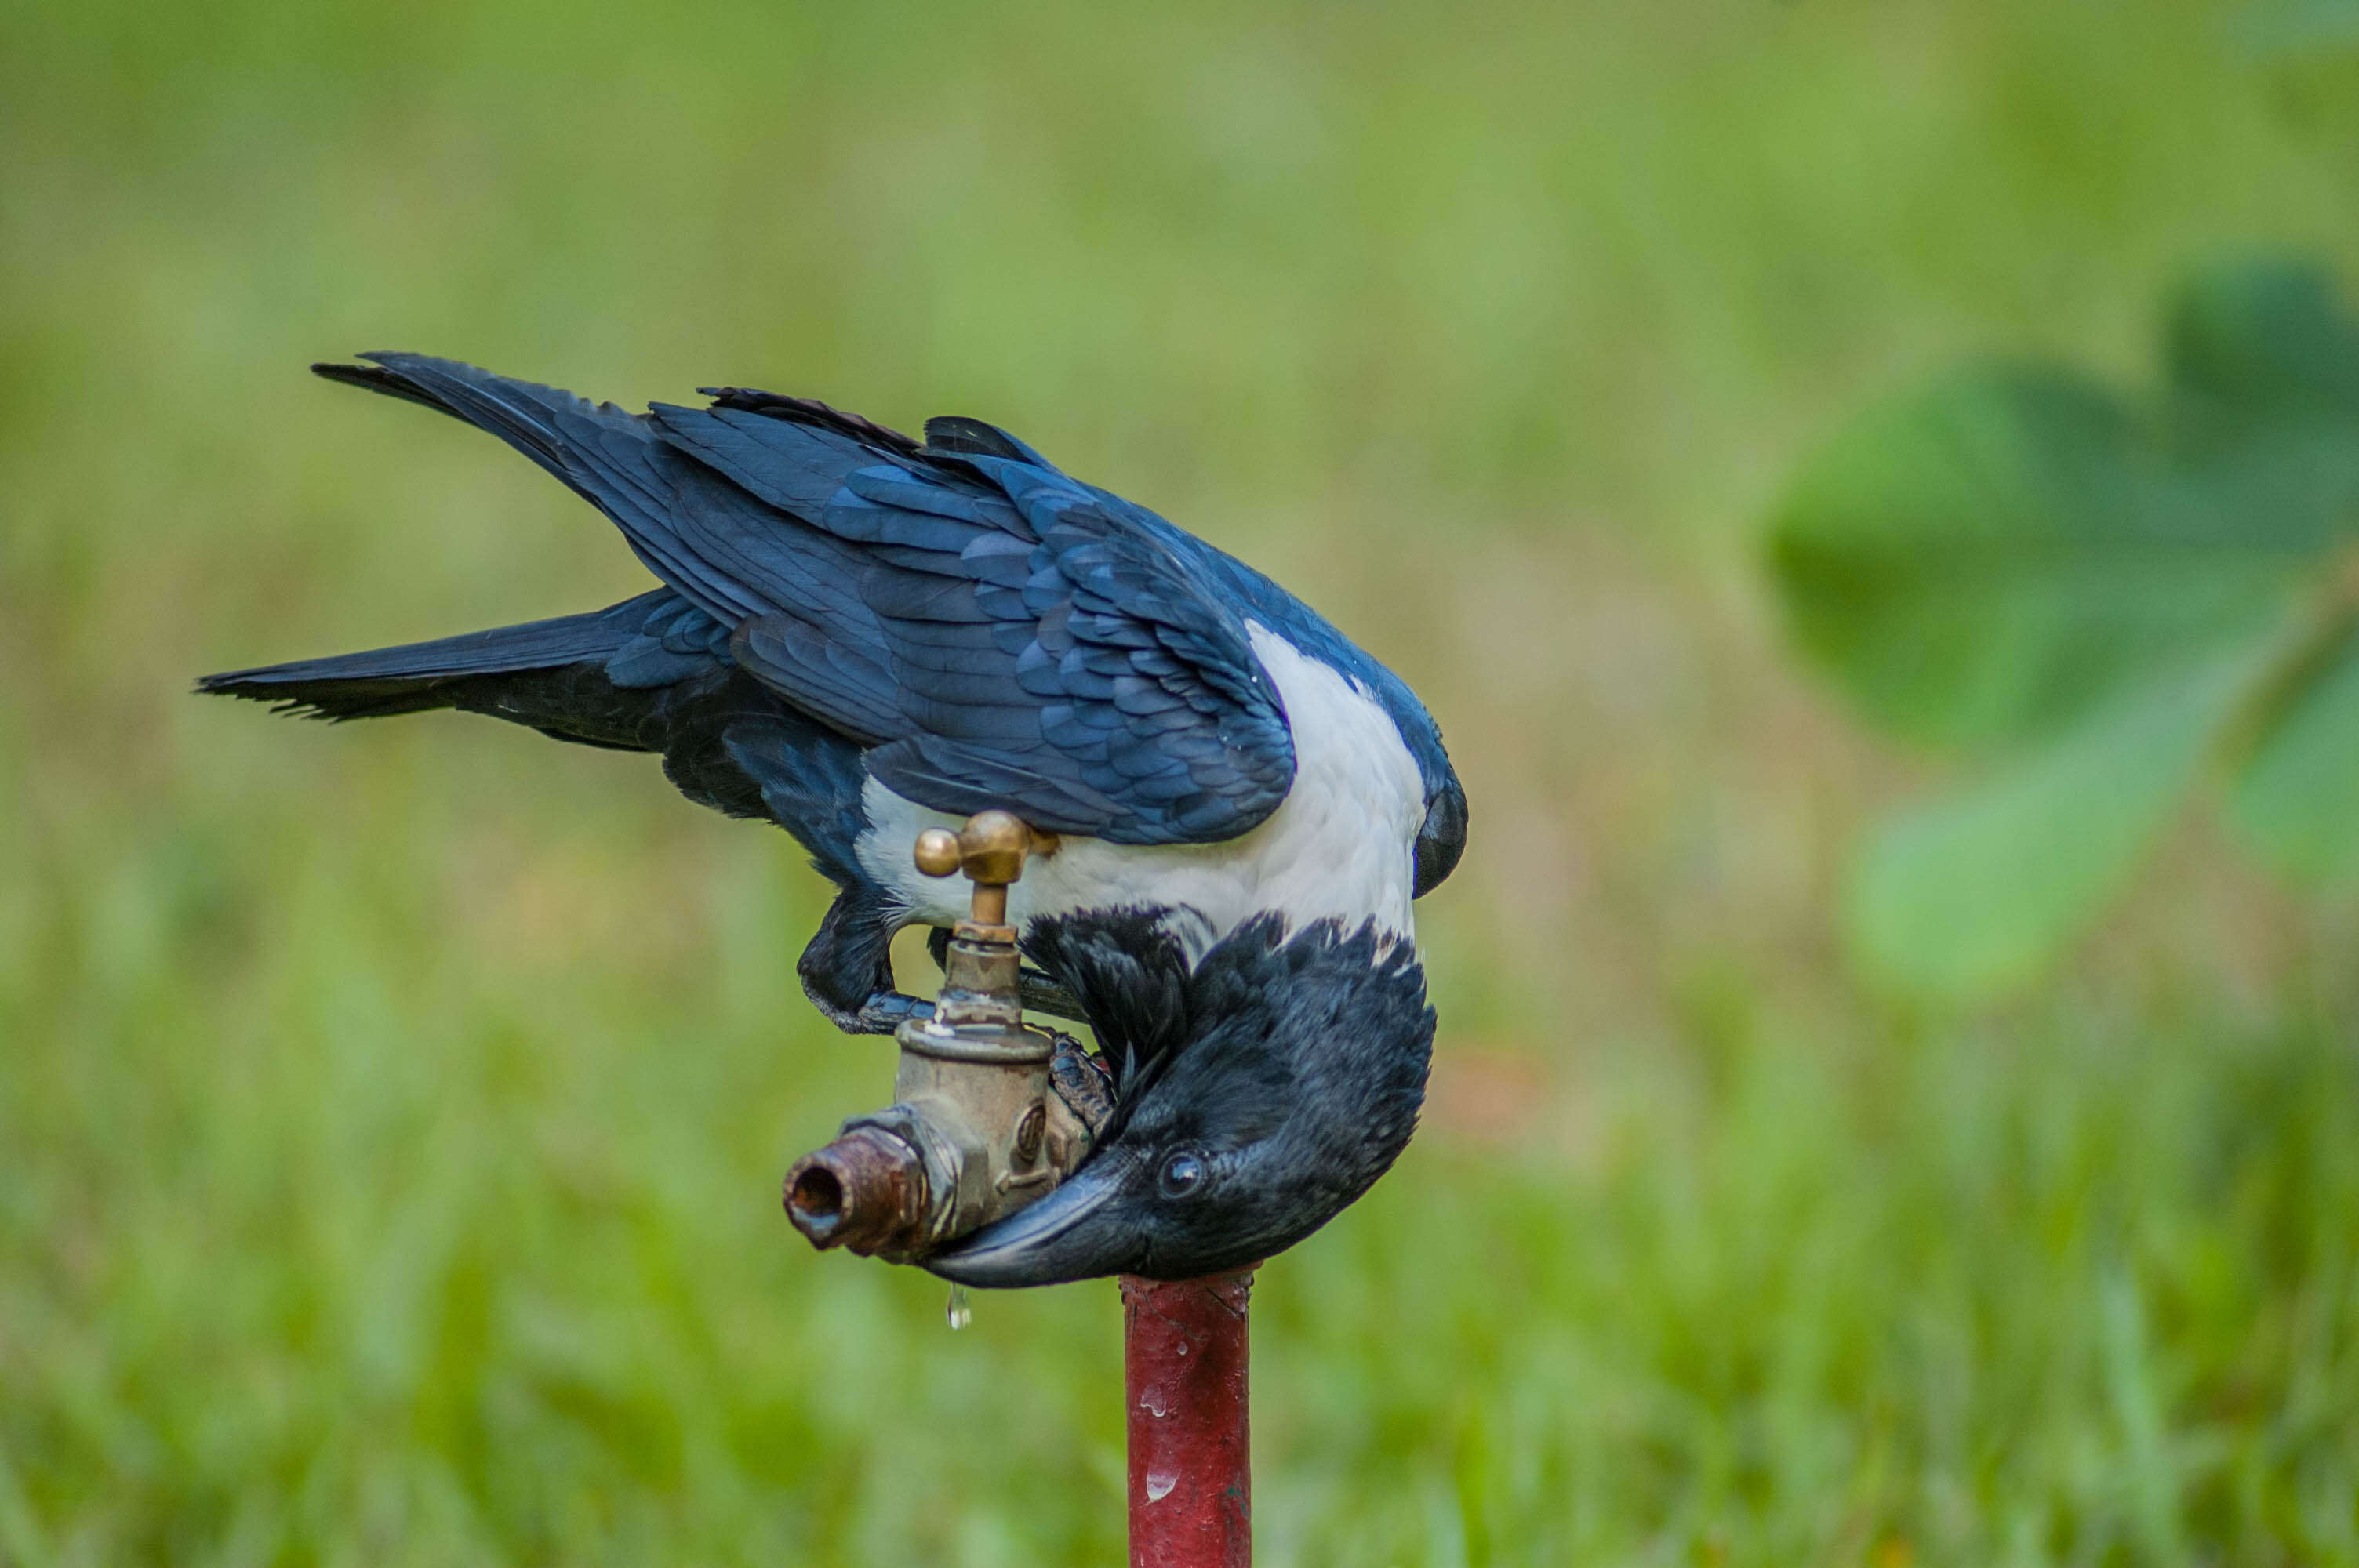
(989, 629)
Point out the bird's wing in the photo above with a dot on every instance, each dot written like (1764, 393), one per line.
(996, 632)
(999, 635)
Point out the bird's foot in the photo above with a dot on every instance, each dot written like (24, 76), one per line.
(883, 1013)
(1083, 1082)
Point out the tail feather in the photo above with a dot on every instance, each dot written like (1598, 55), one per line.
(419, 676)
(613, 459)
(374, 378)
(555, 429)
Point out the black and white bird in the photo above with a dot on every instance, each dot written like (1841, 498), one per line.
(859, 635)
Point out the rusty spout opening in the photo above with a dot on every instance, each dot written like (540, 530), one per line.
(866, 1191)
(816, 1198)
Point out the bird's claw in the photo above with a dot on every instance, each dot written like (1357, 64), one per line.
(885, 1012)
(1083, 1082)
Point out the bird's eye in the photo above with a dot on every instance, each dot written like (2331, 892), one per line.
(1183, 1174)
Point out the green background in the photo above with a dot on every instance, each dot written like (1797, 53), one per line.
(390, 1117)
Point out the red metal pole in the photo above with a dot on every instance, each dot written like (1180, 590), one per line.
(1184, 1346)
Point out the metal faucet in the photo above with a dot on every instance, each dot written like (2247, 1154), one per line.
(980, 1125)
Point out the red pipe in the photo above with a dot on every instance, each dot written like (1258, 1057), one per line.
(1183, 1346)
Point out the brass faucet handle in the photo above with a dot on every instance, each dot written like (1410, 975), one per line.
(938, 852)
(991, 849)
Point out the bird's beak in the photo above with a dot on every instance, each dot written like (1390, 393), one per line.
(1075, 1233)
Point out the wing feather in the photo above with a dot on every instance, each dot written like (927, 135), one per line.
(997, 634)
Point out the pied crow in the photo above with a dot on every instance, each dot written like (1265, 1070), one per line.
(859, 634)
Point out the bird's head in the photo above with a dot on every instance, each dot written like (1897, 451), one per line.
(1259, 1092)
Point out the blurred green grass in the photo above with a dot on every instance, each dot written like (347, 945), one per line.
(389, 1116)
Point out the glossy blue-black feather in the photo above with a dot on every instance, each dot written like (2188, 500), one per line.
(994, 633)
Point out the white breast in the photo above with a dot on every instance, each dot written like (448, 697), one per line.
(1342, 844)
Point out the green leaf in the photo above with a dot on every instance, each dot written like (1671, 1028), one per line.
(2264, 402)
(1972, 893)
(2264, 338)
(1989, 561)
(2298, 796)
(2018, 563)
(1986, 561)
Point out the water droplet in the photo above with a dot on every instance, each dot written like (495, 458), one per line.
(1159, 1484)
(1152, 1402)
(961, 1312)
